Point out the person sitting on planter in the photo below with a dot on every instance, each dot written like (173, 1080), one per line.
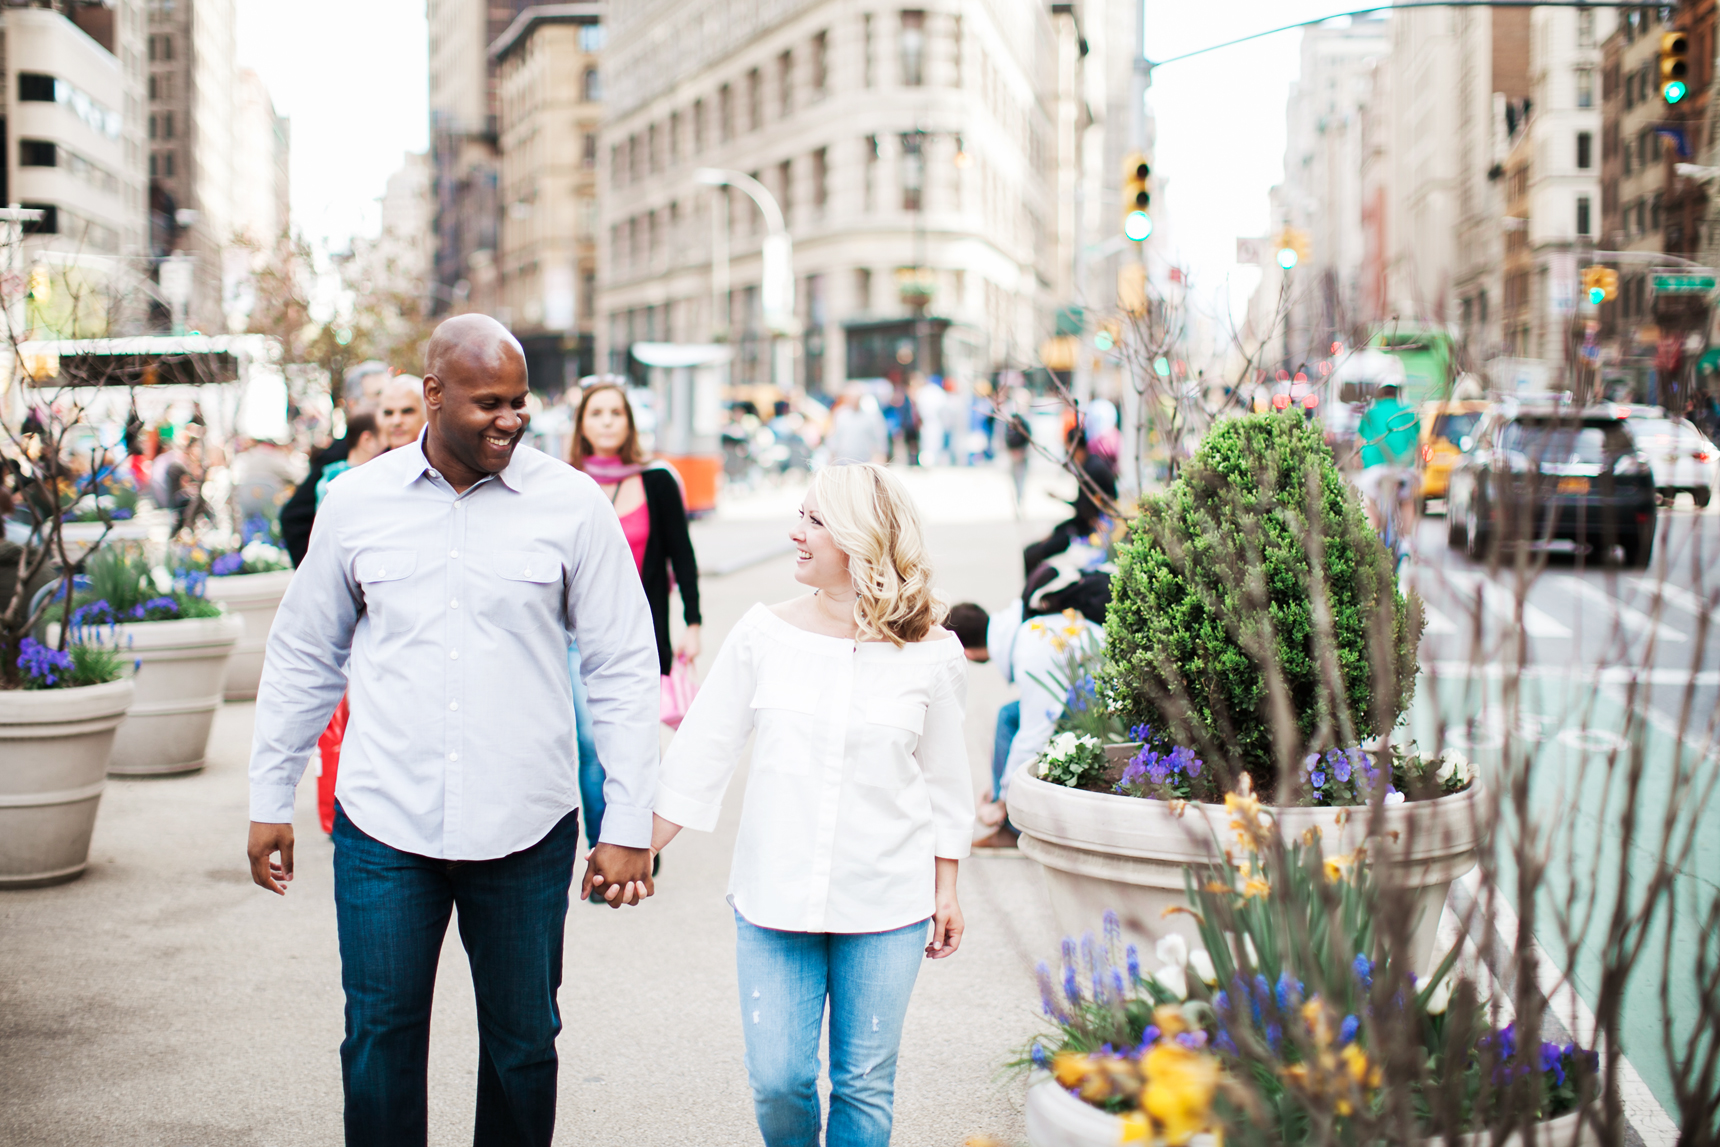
(1099, 476)
(1033, 650)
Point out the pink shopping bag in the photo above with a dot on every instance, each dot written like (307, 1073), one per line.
(679, 689)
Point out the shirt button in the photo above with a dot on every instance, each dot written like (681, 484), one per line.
(453, 705)
(453, 756)
(435, 473)
(380, 571)
(453, 553)
(453, 603)
(453, 655)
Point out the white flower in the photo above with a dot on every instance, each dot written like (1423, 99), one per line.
(1454, 765)
(1061, 746)
(1087, 739)
(1172, 980)
(1173, 949)
(162, 579)
(1394, 798)
(1440, 999)
(1200, 963)
(259, 552)
(1248, 946)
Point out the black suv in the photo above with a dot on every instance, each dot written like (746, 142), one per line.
(1539, 471)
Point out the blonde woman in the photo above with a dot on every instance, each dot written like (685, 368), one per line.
(859, 805)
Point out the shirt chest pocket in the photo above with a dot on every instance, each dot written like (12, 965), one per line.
(386, 579)
(784, 716)
(526, 595)
(893, 728)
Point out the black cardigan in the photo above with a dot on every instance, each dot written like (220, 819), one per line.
(668, 547)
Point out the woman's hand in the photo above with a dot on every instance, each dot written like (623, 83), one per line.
(947, 923)
(689, 646)
(662, 832)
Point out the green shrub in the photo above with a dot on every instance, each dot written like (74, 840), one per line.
(1215, 629)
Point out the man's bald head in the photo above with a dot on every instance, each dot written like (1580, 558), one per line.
(475, 342)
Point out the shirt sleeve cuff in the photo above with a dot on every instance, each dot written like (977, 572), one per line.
(272, 804)
(685, 811)
(954, 847)
(626, 826)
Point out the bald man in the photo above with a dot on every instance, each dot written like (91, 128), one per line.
(447, 578)
(400, 411)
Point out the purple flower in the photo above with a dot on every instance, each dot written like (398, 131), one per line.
(1047, 995)
(1133, 955)
(97, 612)
(226, 565)
(1340, 764)
(1183, 760)
(42, 666)
(1140, 732)
(1347, 1030)
(1039, 1058)
(1553, 1060)
(1113, 927)
(1194, 1040)
(1274, 1036)
(1221, 1003)
(1224, 1043)
(1364, 969)
(1318, 777)
(1071, 987)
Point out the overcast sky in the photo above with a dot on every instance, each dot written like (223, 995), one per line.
(352, 75)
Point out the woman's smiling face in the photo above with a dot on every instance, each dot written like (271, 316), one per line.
(818, 561)
(605, 424)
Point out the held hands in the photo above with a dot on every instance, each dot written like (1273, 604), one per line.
(265, 840)
(622, 874)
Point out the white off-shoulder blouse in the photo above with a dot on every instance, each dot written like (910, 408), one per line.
(859, 775)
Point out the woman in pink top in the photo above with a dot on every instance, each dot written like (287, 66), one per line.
(647, 498)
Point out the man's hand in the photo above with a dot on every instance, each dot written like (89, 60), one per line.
(265, 841)
(622, 874)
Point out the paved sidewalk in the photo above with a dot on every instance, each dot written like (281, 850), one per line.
(164, 1000)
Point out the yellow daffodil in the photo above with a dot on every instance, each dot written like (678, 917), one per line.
(1365, 1074)
(1170, 1020)
(1180, 1086)
(1069, 1068)
(1137, 1128)
(1254, 886)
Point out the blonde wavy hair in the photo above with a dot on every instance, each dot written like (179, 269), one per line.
(873, 518)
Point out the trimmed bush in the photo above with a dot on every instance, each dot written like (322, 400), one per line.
(1255, 615)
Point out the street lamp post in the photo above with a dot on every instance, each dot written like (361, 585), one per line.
(776, 287)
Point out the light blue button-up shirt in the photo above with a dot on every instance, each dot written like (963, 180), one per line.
(446, 618)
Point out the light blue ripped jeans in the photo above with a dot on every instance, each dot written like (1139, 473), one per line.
(785, 978)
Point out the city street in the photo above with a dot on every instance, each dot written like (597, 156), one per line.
(163, 999)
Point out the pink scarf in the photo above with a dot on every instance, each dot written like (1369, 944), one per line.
(608, 471)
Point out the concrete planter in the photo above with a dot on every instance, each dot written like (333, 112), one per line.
(253, 597)
(81, 537)
(54, 746)
(1101, 851)
(1057, 1119)
(181, 670)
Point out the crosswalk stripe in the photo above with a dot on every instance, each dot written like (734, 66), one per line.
(1502, 603)
(1674, 595)
(1634, 618)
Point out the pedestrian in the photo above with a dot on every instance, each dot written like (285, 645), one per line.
(361, 389)
(364, 442)
(1092, 508)
(1017, 437)
(858, 431)
(400, 411)
(647, 499)
(858, 810)
(455, 572)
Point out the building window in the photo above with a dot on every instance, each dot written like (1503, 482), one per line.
(820, 63)
(913, 45)
(615, 165)
(167, 125)
(1585, 150)
(785, 84)
(154, 133)
(698, 126)
(868, 70)
(862, 289)
(820, 178)
(912, 164)
(591, 37)
(755, 100)
(653, 156)
(674, 138)
(1582, 215)
(48, 224)
(1585, 87)
(152, 166)
(593, 85)
(1654, 216)
(37, 153)
(1585, 27)
(35, 86)
(871, 178)
(956, 43)
(165, 167)
(725, 113)
(588, 157)
(785, 187)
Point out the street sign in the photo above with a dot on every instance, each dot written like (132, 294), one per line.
(1683, 282)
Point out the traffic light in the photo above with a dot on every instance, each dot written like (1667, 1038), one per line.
(1137, 197)
(1600, 284)
(1293, 247)
(1674, 66)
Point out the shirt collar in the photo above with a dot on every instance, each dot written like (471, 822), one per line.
(512, 476)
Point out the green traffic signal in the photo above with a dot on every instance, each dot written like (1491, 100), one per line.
(1137, 225)
(1102, 340)
(1674, 90)
(1597, 296)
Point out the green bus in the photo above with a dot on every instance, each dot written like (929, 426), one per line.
(1428, 355)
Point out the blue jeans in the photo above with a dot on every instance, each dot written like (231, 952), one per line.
(1008, 725)
(785, 978)
(590, 768)
(392, 911)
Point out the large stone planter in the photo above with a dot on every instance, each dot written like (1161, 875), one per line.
(81, 537)
(1100, 851)
(54, 746)
(254, 598)
(181, 670)
(1057, 1119)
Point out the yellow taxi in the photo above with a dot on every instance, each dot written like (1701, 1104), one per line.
(1444, 427)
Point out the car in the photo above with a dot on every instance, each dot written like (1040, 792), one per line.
(1444, 426)
(1683, 460)
(1543, 471)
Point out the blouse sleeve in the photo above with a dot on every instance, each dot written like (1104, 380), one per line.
(678, 545)
(944, 763)
(702, 758)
